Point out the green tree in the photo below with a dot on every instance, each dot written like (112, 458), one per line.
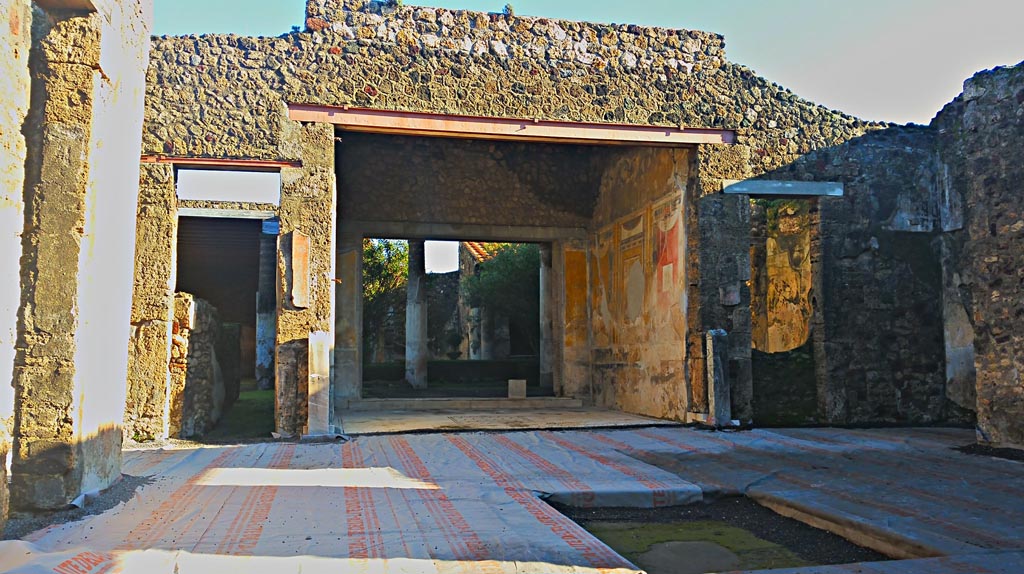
(385, 274)
(509, 285)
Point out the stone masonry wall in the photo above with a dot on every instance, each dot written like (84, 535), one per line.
(199, 393)
(202, 90)
(77, 261)
(306, 269)
(981, 138)
(149, 350)
(878, 284)
(15, 85)
(638, 281)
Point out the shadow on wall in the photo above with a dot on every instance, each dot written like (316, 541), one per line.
(877, 298)
(54, 476)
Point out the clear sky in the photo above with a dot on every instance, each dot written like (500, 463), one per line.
(889, 60)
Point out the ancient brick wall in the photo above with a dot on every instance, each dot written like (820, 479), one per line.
(199, 391)
(638, 278)
(15, 84)
(981, 138)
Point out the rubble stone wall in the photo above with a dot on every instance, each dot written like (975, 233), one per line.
(199, 391)
(981, 138)
(877, 290)
(226, 96)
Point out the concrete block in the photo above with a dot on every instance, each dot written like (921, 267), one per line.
(517, 389)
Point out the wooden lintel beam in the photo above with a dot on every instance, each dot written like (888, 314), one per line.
(221, 163)
(489, 128)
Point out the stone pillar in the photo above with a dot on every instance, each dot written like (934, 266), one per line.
(547, 339)
(416, 352)
(266, 306)
(348, 329)
(487, 342)
(149, 349)
(77, 264)
(305, 283)
(15, 85)
(475, 342)
(573, 362)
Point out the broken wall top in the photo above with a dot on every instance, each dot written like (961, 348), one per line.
(227, 96)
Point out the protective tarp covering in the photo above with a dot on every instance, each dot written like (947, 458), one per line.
(473, 502)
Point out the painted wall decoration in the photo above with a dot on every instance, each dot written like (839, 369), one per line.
(633, 277)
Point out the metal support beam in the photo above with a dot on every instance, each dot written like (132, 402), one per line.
(783, 188)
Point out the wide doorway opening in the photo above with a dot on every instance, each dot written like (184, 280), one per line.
(451, 319)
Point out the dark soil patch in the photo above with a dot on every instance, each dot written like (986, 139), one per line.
(808, 544)
(19, 526)
(982, 450)
(251, 417)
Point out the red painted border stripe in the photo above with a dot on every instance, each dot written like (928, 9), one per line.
(582, 495)
(468, 545)
(601, 557)
(660, 491)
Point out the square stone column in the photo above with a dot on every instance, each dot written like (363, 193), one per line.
(77, 264)
(348, 330)
(306, 264)
(547, 315)
(149, 350)
(416, 353)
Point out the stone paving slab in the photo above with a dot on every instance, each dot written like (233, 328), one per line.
(473, 501)
(359, 422)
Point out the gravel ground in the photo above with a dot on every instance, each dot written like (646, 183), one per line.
(813, 545)
(20, 525)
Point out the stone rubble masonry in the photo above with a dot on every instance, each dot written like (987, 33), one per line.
(877, 296)
(203, 90)
(723, 263)
(308, 207)
(199, 393)
(81, 189)
(981, 136)
(149, 349)
(15, 86)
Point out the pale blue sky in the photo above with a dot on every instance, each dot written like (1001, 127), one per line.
(889, 60)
